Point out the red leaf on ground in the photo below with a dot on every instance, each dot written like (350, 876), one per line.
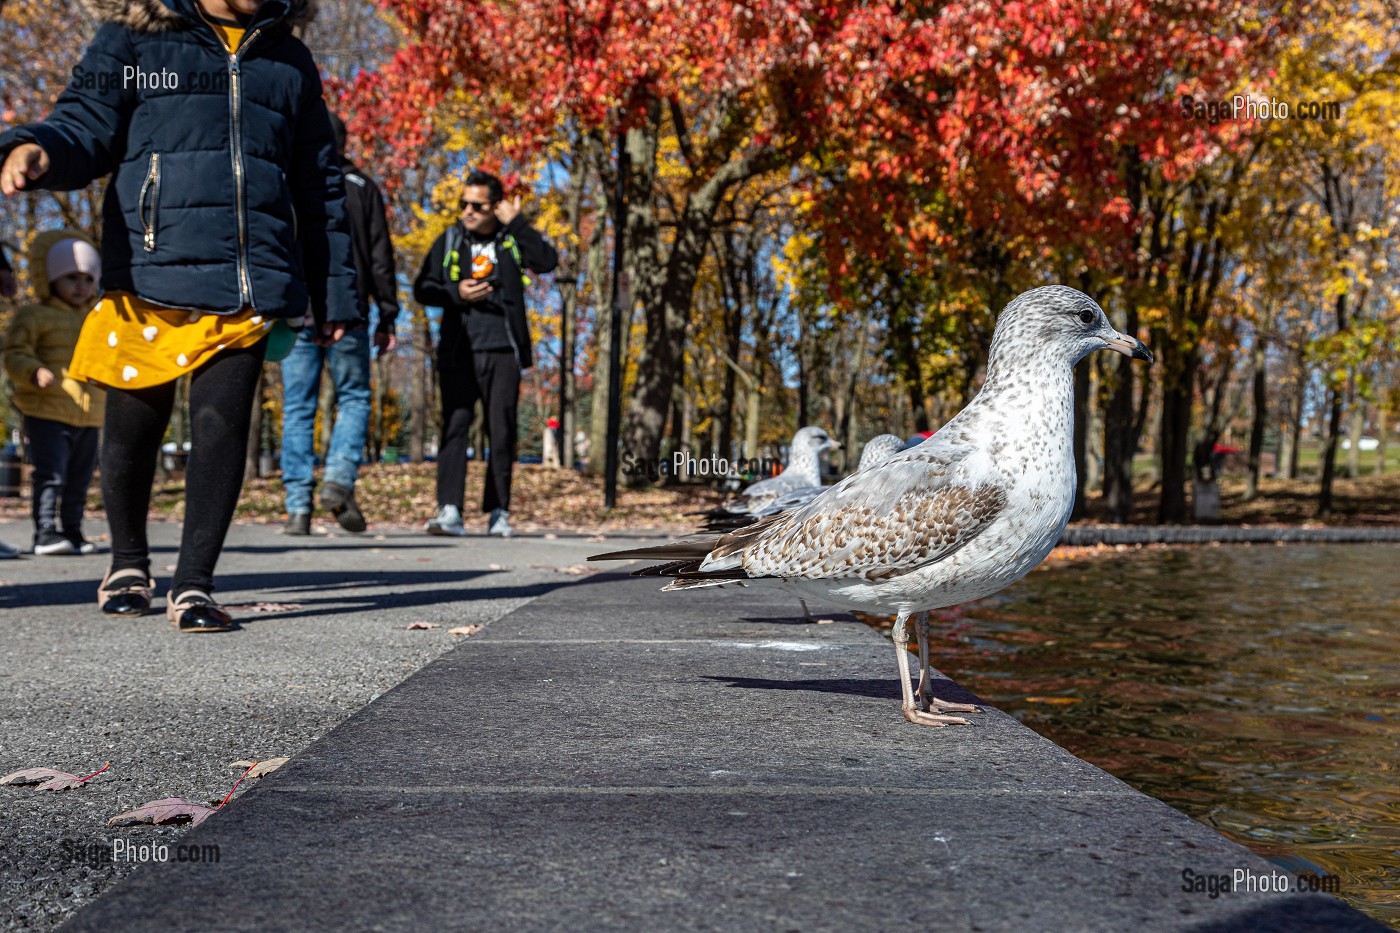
(413, 626)
(464, 630)
(166, 810)
(50, 779)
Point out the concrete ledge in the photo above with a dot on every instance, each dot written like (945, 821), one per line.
(1090, 535)
(611, 757)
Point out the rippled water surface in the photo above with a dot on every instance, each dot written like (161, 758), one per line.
(1255, 688)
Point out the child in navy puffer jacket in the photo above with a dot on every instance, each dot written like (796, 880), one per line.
(223, 226)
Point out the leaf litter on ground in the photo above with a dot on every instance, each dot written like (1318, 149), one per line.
(49, 778)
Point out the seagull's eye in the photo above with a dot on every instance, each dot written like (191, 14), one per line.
(1087, 316)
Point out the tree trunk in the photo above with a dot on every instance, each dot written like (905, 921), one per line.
(1174, 443)
(1334, 428)
(1260, 413)
(665, 288)
(1355, 429)
(1081, 436)
(420, 389)
(1120, 437)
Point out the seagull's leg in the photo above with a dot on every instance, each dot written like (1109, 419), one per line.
(926, 697)
(912, 713)
(806, 613)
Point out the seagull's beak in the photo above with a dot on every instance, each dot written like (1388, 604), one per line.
(833, 444)
(1129, 346)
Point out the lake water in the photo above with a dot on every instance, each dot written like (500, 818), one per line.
(1255, 688)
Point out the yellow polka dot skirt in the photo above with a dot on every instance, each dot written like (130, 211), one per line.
(132, 344)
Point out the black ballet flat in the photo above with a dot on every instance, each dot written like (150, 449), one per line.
(125, 593)
(194, 611)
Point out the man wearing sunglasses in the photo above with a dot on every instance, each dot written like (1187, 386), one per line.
(476, 272)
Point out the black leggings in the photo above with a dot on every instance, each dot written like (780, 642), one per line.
(221, 407)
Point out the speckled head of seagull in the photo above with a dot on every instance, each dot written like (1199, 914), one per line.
(1055, 325)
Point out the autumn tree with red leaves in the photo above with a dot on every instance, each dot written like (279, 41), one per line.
(923, 130)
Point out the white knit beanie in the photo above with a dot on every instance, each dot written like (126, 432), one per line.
(73, 255)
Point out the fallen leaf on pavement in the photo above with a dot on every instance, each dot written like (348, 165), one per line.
(419, 625)
(551, 537)
(597, 539)
(497, 567)
(257, 769)
(265, 607)
(174, 809)
(166, 810)
(49, 779)
(577, 570)
(464, 630)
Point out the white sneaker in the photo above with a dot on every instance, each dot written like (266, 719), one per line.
(500, 523)
(448, 521)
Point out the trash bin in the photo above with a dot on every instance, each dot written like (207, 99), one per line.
(391, 455)
(9, 472)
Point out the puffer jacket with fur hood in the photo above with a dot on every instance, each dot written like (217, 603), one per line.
(226, 189)
(44, 334)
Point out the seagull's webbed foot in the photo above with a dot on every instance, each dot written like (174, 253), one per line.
(926, 697)
(917, 713)
(924, 718)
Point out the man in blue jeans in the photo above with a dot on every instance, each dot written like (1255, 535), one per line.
(348, 363)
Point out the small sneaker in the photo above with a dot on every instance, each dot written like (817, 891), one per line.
(500, 523)
(448, 521)
(49, 542)
(340, 502)
(298, 524)
(83, 545)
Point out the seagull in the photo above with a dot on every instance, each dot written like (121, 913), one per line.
(956, 518)
(877, 450)
(803, 469)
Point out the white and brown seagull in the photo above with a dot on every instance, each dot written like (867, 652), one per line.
(962, 515)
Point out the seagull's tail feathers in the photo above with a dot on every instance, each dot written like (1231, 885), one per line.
(691, 547)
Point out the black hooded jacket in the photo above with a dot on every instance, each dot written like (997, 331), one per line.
(437, 280)
(226, 188)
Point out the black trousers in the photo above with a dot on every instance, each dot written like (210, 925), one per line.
(221, 408)
(64, 457)
(493, 377)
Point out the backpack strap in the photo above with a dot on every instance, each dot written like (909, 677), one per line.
(451, 254)
(509, 243)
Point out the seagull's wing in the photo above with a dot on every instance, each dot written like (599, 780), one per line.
(793, 500)
(882, 523)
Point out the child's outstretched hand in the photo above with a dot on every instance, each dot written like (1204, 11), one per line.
(26, 162)
(43, 377)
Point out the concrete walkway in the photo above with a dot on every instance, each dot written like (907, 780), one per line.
(611, 757)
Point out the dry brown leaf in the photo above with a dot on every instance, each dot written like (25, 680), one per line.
(414, 626)
(265, 607)
(497, 567)
(166, 810)
(257, 769)
(597, 539)
(464, 630)
(49, 778)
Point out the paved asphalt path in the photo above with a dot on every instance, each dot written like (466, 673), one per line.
(171, 711)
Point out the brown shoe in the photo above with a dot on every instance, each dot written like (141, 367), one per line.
(196, 611)
(126, 593)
